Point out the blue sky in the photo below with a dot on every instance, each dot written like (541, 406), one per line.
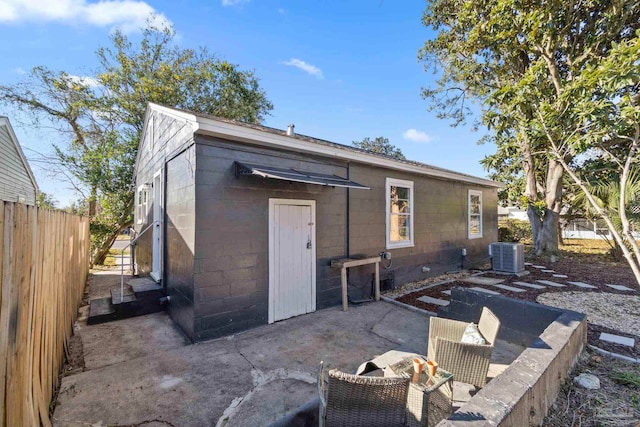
(339, 70)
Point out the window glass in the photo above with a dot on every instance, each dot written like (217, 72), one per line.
(475, 214)
(399, 214)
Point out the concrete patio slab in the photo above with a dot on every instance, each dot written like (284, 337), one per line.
(582, 285)
(548, 271)
(620, 287)
(617, 339)
(539, 267)
(551, 283)
(486, 291)
(509, 288)
(195, 384)
(477, 280)
(140, 372)
(560, 276)
(529, 285)
(436, 301)
(128, 339)
(447, 292)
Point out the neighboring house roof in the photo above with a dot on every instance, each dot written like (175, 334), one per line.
(4, 122)
(249, 132)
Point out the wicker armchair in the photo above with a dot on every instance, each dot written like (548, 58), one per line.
(469, 363)
(353, 400)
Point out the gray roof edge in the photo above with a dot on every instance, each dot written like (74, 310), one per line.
(259, 133)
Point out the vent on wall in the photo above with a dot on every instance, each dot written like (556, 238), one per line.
(507, 257)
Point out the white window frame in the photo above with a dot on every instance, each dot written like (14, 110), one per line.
(392, 182)
(142, 207)
(469, 234)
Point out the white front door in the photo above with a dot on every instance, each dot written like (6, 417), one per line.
(292, 255)
(156, 262)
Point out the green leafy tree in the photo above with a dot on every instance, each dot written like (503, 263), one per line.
(522, 64)
(379, 145)
(45, 200)
(104, 115)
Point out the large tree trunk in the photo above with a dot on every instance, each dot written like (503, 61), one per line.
(101, 253)
(545, 238)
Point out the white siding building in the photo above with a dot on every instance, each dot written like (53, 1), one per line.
(17, 183)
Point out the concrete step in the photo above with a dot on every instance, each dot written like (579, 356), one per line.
(144, 284)
(100, 311)
(128, 297)
(141, 296)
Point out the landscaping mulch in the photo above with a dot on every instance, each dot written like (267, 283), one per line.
(578, 269)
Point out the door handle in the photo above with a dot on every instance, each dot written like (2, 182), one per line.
(309, 244)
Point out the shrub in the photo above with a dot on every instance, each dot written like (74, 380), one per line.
(514, 230)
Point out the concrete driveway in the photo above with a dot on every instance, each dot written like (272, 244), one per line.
(143, 372)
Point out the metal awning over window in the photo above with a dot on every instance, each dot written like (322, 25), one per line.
(296, 176)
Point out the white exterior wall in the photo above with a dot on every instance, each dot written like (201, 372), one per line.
(16, 183)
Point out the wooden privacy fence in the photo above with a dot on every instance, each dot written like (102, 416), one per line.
(44, 262)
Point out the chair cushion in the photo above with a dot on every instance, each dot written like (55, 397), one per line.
(472, 335)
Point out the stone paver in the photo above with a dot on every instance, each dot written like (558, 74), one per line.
(476, 280)
(617, 339)
(527, 263)
(447, 292)
(548, 271)
(529, 285)
(509, 288)
(560, 276)
(539, 266)
(436, 301)
(486, 291)
(582, 285)
(550, 283)
(619, 287)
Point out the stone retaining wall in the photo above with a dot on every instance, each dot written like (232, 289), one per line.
(524, 392)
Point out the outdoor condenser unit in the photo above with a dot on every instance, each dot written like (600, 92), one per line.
(507, 257)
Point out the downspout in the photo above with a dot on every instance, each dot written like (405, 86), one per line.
(347, 216)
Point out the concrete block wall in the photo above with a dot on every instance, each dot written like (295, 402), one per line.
(440, 224)
(231, 274)
(523, 394)
(164, 137)
(180, 239)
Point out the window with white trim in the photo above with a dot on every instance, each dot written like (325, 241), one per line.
(142, 204)
(474, 222)
(399, 213)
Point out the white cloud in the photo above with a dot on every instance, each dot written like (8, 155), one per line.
(281, 11)
(19, 70)
(416, 136)
(234, 2)
(307, 68)
(129, 15)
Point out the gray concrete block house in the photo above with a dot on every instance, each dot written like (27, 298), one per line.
(17, 183)
(247, 220)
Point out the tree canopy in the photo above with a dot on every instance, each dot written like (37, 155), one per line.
(102, 116)
(537, 71)
(379, 145)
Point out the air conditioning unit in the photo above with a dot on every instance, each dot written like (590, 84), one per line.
(507, 257)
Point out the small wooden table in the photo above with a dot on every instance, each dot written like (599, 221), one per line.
(430, 399)
(345, 263)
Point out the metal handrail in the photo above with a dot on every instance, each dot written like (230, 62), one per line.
(131, 244)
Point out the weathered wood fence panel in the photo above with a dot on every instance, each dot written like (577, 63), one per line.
(44, 262)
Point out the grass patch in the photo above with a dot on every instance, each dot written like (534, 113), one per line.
(626, 378)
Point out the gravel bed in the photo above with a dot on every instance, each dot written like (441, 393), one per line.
(619, 312)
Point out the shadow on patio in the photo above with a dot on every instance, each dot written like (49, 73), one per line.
(142, 371)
